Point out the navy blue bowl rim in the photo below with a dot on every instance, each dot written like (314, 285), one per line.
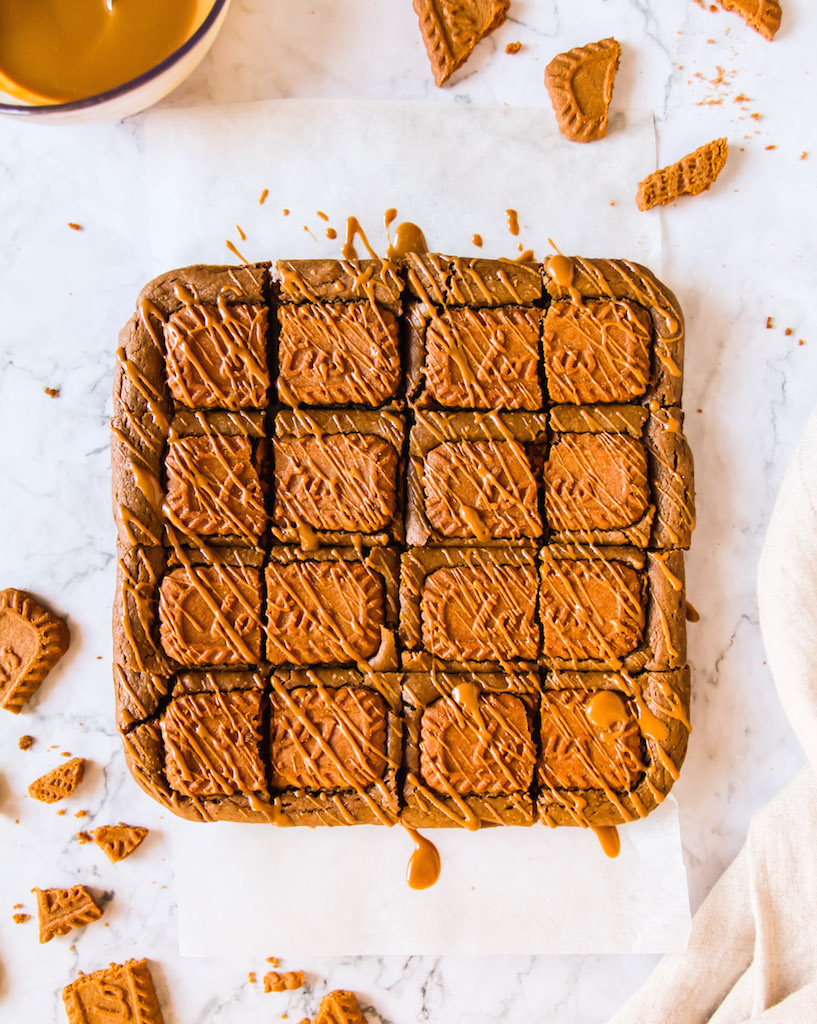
(120, 90)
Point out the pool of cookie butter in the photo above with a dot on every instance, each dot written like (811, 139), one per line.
(401, 541)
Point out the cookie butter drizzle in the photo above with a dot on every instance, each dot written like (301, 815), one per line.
(424, 864)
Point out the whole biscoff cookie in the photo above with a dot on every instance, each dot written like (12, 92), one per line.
(32, 641)
(580, 84)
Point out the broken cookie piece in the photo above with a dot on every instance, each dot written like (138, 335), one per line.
(339, 1007)
(59, 783)
(32, 641)
(452, 28)
(118, 841)
(763, 16)
(61, 910)
(122, 992)
(692, 174)
(580, 85)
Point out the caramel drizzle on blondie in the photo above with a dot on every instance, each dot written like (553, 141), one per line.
(345, 363)
(566, 498)
(478, 342)
(568, 606)
(480, 612)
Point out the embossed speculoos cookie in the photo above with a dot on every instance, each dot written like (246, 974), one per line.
(452, 28)
(339, 1007)
(119, 992)
(32, 641)
(59, 783)
(384, 530)
(580, 84)
(61, 910)
(690, 176)
(118, 841)
(764, 16)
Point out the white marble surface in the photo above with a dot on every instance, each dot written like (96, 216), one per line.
(736, 256)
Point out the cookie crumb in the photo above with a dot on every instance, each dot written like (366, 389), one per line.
(20, 918)
(286, 981)
(769, 323)
(251, 977)
(52, 392)
(75, 227)
(83, 837)
(273, 960)
(788, 332)
(771, 147)
(513, 47)
(25, 742)
(286, 213)
(801, 342)
(804, 154)
(81, 814)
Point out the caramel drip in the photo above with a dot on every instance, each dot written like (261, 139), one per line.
(362, 769)
(476, 240)
(692, 614)
(605, 709)
(562, 270)
(388, 218)
(354, 230)
(149, 393)
(407, 238)
(484, 358)
(424, 864)
(525, 255)
(513, 221)
(467, 274)
(335, 482)
(661, 558)
(670, 701)
(241, 234)
(480, 613)
(158, 688)
(135, 530)
(482, 489)
(338, 354)
(609, 838)
(322, 215)
(674, 502)
(235, 252)
(212, 743)
(591, 609)
(585, 497)
(263, 197)
(672, 651)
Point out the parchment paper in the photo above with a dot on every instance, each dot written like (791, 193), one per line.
(454, 170)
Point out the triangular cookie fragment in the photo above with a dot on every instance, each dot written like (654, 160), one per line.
(580, 84)
(691, 175)
(32, 641)
(339, 1007)
(452, 28)
(59, 783)
(118, 841)
(762, 15)
(60, 910)
(121, 992)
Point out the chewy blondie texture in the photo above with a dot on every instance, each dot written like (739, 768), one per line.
(402, 541)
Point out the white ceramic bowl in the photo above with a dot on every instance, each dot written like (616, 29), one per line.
(137, 94)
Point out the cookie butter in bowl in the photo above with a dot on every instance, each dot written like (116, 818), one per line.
(91, 60)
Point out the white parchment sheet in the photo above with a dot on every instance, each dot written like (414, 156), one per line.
(454, 170)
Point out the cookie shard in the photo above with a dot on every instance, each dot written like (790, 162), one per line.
(339, 1007)
(764, 16)
(691, 175)
(452, 28)
(59, 783)
(580, 85)
(118, 841)
(118, 992)
(32, 641)
(61, 910)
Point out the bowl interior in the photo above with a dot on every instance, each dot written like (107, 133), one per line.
(15, 99)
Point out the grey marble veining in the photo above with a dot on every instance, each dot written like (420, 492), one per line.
(735, 257)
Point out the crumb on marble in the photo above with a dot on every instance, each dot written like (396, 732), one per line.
(65, 753)
(25, 742)
(17, 906)
(699, 410)
(53, 392)
(81, 814)
(513, 47)
(756, 116)
(273, 960)
(804, 154)
(286, 213)
(251, 977)
(769, 323)
(771, 147)
(286, 981)
(61, 812)
(801, 341)
(263, 197)
(20, 918)
(788, 332)
(83, 837)
(75, 227)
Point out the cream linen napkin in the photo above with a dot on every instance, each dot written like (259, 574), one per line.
(752, 952)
